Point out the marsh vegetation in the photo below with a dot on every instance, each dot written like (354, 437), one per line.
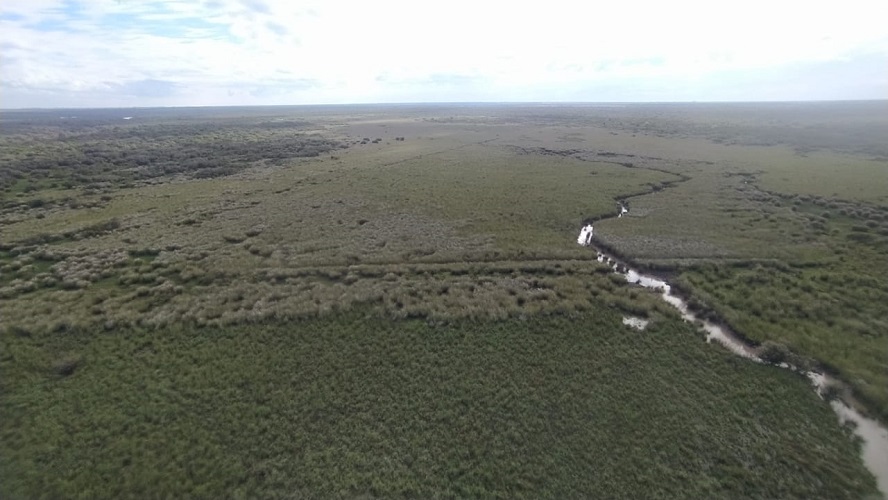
(391, 301)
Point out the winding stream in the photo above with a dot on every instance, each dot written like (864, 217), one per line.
(874, 436)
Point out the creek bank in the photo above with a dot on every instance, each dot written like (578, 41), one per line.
(874, 437)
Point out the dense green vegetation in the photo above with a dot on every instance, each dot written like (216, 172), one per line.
(391, 302)
(804, 308)
(101, 155)
(804, 270)
(547, 406)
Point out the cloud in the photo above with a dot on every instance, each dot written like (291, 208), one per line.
(213, 52)
(146, 88)
(435, 79)
(256, 6)
(274, 89)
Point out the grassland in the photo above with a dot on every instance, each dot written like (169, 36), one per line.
(357, 406)
(778, 264)
(390, 301)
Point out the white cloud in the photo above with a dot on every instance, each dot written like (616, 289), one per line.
(262, 51)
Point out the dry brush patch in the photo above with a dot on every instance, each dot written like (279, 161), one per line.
(159, 293)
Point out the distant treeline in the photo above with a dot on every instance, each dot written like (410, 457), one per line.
(34, 155)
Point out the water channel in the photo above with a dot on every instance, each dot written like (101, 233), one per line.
(874, 436)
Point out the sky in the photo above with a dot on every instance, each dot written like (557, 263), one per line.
(134, 53)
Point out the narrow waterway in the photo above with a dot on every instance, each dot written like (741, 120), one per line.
(874, 436)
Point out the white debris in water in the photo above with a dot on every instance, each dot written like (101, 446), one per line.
(677, 303)
(818, 380)
(127, 117)
(585, 237)
(635, 322)
(720, 335)
(713, 332)
(646, 281)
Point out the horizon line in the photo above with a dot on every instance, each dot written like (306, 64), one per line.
(442, 103)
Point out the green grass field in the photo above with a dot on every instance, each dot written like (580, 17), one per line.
(776, 264)
(342, 302)
(354, 406)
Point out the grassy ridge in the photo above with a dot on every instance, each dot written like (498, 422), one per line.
(352, 406)
(82, 292)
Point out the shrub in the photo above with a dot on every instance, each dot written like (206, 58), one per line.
(774, 352)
